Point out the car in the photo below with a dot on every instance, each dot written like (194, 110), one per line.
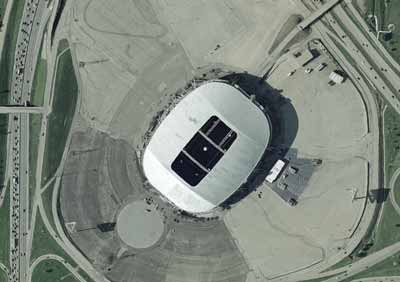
(308, 70)
(321, 66)
(291, 73)
(282, 186)
(292, 202)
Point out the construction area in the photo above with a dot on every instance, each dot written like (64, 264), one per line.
(136, 60)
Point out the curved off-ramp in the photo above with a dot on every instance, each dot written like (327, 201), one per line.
(392, 187)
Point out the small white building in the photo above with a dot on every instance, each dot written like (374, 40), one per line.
(206, 147)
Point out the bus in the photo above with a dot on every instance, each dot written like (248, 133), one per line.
(275, 171)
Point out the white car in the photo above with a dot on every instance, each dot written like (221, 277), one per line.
(308, 70)
(291, 73)
(321, 66)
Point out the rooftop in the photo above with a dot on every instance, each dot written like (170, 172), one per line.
(206, 147)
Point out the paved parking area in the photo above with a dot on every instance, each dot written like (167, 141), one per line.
(276, 238)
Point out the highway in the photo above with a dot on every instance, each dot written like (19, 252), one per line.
(367, 63)
(371, 64)
(315, 15)
(58, 235)
(21, 110)
(26, 52)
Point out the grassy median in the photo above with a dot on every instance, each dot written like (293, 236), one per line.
(392, 141)
(3, 276)
(37, 96)
(39, 83)
(47, 199)
(34, 135)
(43, 243)
(64, 101)
(52, 270)
(386, 268)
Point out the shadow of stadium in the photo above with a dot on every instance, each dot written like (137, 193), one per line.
(284, 122)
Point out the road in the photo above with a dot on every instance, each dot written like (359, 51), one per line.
(59, 235)
(371, 65)
(21, 110)
(392, 194)
(2, 36)
(26, 52)
(369, 59)
(68, 266)
(315, 15)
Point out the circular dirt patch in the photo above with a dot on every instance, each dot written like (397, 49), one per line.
(140, 225)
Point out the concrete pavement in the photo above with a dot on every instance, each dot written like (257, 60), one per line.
(25, 56)
(21, 110)
(368, 71)
(59, 237)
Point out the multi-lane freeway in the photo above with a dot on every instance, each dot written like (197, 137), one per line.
(368, 64)
(26, 53)
(32, 31)
(21, 110)
(336, 26)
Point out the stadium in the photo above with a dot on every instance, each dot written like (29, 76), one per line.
(207, 146)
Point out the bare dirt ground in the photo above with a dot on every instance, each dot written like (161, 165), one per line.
(133, 56)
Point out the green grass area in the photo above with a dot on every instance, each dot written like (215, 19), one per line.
(62, 45)
(386, 16)
(3, 146)
(43, 243)
(3, 276)
(3, 4)
(388, 267)
(64, 102)
(37, 97)
(320, 279)
(396, 190)
(346, 261)
(39, 83)
(47, 196)
(34, 135)
(52, 271)
(387, 232)
(85, 276)
(392, 141)
(4, 229)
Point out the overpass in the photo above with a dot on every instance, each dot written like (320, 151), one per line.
(315, 15)
(21, 109)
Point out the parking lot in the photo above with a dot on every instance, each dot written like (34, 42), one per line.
(327, 152)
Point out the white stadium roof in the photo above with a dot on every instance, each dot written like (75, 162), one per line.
(206, 147)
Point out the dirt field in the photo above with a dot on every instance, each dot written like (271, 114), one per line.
(133, 57)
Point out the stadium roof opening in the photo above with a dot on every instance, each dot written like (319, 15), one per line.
(203, 151)
(206, 147)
